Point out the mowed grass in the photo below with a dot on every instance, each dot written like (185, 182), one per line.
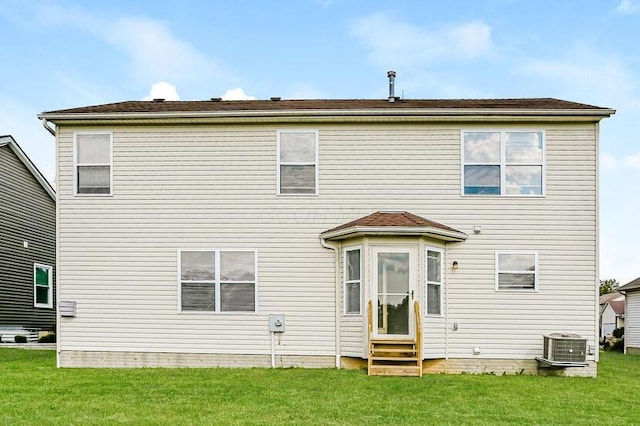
(33, 391)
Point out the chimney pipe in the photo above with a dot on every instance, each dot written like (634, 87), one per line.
(392, 78)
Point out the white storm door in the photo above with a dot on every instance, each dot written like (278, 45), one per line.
(394, 280)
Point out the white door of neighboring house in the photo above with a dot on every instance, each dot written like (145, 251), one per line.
(394, 290)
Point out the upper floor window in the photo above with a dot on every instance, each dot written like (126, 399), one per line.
(42, 286)
(218, 280)
(352, 280)
(297, 162)
(503, 163)
(93, 164)
(516, 271)
(435, 282)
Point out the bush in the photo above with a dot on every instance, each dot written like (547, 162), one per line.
(618, 332)
(49, 338)
(618, 345)
(20, 339)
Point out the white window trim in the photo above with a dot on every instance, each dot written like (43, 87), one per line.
(315, 163)
(536, 272)
(345, 281)
(50, 286)
(75, 163)
(217, 282)
(427, 282)
(503, 163)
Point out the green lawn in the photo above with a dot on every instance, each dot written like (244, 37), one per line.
(33, 391)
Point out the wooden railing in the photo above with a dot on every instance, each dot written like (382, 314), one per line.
(370, 334)
(418, 319)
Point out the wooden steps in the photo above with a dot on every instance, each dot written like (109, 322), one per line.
(395, 356)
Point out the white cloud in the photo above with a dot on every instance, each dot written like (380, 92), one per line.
(583, 72)
(608, 162)
(395, 43)
(162, 90)
(633, 160)
(627, 7)
(236, 94)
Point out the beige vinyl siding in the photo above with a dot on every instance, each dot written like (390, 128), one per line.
(632, 320)
(212, 186)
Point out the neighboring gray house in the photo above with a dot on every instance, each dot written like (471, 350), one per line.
(27, 244)
(632, 316)
(456, 233)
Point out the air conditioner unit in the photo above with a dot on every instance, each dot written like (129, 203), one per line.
(559, 347)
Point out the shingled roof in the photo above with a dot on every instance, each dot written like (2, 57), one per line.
(394, 223)
(218, 105)
(630, 286)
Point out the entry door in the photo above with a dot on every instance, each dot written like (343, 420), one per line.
(394, 286)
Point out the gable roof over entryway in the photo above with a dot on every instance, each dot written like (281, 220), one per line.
(393, 223)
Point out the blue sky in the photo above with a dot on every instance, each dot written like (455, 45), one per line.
(59, 54)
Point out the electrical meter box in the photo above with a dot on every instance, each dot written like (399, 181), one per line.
(276, 323)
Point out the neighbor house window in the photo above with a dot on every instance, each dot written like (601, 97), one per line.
(218, 280)
(503, 163)
(297, 162)
(93, 166)
(42, 286)
(435, 282)
(352, 280)
(516, 271)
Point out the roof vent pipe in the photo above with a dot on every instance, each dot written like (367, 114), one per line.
(392, 78)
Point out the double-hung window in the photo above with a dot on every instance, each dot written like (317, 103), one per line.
(503, 163)
(352, 281)
(516, 271)
(297, 162)
(435, 282)
(93, 163)
(42, 286)
(217, 280)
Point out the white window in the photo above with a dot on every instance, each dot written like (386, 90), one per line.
(435, 281)
(297, 162)
(352, 280)
(42, 286)
(516, 271)
(93, 168)
(503, 163)
(217, 280)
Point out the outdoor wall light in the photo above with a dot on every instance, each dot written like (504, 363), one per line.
(454, 265)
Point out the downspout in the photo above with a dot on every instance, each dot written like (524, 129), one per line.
(335, 247)
(47, 127)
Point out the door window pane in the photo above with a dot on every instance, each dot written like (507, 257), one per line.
(393, 272)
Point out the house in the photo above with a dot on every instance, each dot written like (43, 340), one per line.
(631, 290)
(611, 313)
(315, 232)
(27, 245)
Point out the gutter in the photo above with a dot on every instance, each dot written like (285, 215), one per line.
(336, 256)
(441, 234)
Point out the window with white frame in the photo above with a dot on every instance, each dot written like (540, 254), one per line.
(42, 286)
(297, 162)
(516, 271)
(93, 166)
(352, 280)
(435, 281)
(218, 280)
(503, 163)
